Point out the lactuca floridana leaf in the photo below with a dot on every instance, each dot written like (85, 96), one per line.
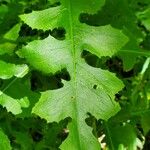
(90, 89)
(4, 141)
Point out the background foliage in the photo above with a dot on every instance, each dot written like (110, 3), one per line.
(35, 91)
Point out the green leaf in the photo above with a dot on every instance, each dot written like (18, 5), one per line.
(7, 44)
(4, 141)
(3, 11)
(8, 70)
(70, 101)
(36, 19)
(17, 97)
(122, 15)
(104, 41)
(121, 135)
(88, 87)
(13, 33)
(12, 105)
(54, 49)
(145, 121)
(129, 57)
(23, 139)
(55, 14)
(20, 91)
(7, 48)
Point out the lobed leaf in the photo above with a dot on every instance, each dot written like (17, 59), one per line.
(88, 87)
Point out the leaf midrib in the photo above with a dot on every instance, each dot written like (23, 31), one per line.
(74, 63)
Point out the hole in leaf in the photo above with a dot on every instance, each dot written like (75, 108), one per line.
(95, 86)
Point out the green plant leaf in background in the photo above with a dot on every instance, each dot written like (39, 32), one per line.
(8, 71)
(128, 136)
(7, 44)
(88, 87)
(4, 141)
